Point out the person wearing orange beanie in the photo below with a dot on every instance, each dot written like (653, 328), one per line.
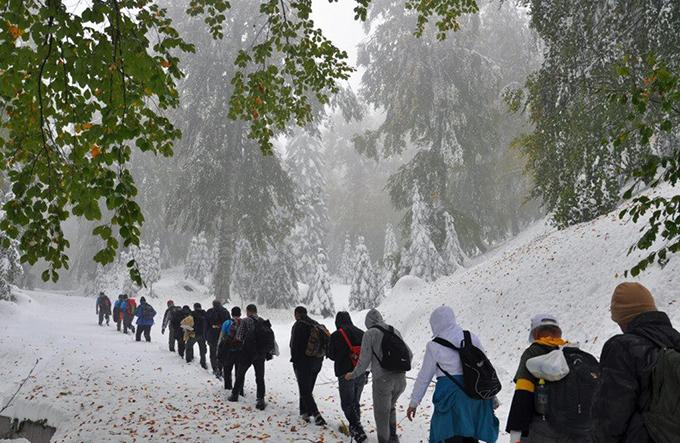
(626, 366)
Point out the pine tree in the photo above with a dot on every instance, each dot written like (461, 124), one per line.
(10, 270)
(426, 262)
(319, 296)
(276, 286)
(378, 286)
(190, 262)
(154, 267)
(347, 261)
(452, 254)
(363, 286)
(306, 168)
(390, 255)
(203, 258)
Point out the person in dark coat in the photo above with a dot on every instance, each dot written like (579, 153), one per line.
(198, 336)
(176, 326)
(215, 318)
(118, 312)
(339, 350)
(306, 368)
(103, 308)
(228, 347)
(145, 314)
(626, 363)
(167, 324)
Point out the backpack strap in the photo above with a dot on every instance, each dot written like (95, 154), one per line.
(344, 335)
(448, 344)
(384, 331)
(467, 338)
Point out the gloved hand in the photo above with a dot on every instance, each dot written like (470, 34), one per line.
(515, 436)
(162, 331)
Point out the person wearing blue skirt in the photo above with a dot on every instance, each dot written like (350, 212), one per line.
(457, 418)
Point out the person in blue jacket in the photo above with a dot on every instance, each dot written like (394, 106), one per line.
(145, 314)
(118, 312)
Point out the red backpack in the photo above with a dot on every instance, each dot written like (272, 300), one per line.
(131, 306)
(354, 351)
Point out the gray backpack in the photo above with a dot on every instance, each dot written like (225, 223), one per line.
(662, 416)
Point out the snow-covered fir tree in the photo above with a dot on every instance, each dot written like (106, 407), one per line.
(452, 253)
(390, 255)
(306, 168)
(244, 271)
(190, 263)
(346, 269)
(199, 258)
(276, 285)
(362, 290)
(10, 270)
(319, 297)
(426, 263)
(106, 280)
(378, 286)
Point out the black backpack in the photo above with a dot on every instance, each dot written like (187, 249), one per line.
(396, 356)
(570, 399)
(479, 376)
(264, 337)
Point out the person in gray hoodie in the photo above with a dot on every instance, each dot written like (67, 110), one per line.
(387, 385)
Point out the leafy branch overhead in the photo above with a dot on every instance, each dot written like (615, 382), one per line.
(81, 89)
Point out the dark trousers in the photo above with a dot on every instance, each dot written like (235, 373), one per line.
(350, 400)
(127, 324)
(212, 348)
(172, 338)
(118, 322)
(189, 349)
(146, 329)
(230, 361)
(103, 314)
(242, 365)
(181, 345)
(306, 374)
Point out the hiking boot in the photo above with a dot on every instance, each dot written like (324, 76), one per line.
(319, 421)
(305, 418)
(233, 397)
(203, 365)
(260, 404)
(242, 393)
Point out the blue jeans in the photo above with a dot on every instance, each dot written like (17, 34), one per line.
(350, 399)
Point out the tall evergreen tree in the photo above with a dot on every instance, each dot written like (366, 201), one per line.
(347, 261)
(390, 257)
(452, 253)
(363, 286)
(319, 296)
(306, 167)
(426, 262)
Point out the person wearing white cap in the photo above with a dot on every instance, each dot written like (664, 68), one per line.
(524, 424)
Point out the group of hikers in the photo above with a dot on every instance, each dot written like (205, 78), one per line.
(562, 394)
(124, 311)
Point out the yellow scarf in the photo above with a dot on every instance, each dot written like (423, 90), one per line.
(551, 341)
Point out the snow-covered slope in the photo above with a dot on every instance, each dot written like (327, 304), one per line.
(571, 273)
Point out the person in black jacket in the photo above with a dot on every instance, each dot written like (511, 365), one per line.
(306, 368)
(167, 324)
(350, 390)
(626, 363)
(175, 325)
(200, 324)
(215, 318)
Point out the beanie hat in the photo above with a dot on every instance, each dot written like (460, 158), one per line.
(142, 300)
(235, 311)
(630, 300)
(170, 302)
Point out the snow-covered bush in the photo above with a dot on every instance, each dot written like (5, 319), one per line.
(426, 263)
(452, 253)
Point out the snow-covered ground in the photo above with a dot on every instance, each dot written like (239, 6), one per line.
(97, 385)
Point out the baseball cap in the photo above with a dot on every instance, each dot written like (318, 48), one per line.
(539, 320)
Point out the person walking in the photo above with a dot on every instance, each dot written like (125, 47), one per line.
(344, 349)
(129, 307)
(117, 311)
(637, 399)
(180, 328)
(259, 345)
(530, 418)
(167, 324)
(457, 417)
(215, 318)
(307, 360)
(103, 308)
(145, 314)
(196, 336)
(389, 373)
(228, 347)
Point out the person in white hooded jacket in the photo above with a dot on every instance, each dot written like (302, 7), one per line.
(457, 418)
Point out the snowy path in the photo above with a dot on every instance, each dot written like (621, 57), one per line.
(98, 385)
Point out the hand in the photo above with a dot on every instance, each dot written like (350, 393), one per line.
(410, 413)
(162, 331)
(348, 376)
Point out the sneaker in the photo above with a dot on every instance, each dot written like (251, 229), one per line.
(305, 418)
(233, 397)
(260, 404)
(360, 437)
(319, 421)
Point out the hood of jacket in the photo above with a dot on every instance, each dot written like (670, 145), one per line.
(655, 326)
(441, 319)
(373, 318)
(343, 318)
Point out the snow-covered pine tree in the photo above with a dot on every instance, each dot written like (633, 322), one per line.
(190, 261)
(378, 286)
(154, 267)
(390, 253)
(452, 254)
(244, 271)
(362, 290)
(203, 258)
(10, 270)
(426, 262)
(276, 287)
(347, 261)
(319, 297)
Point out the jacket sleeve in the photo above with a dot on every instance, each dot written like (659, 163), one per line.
(366, 354)
(616, 399)
(296, 342)
(424, 378)
(332, 347)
